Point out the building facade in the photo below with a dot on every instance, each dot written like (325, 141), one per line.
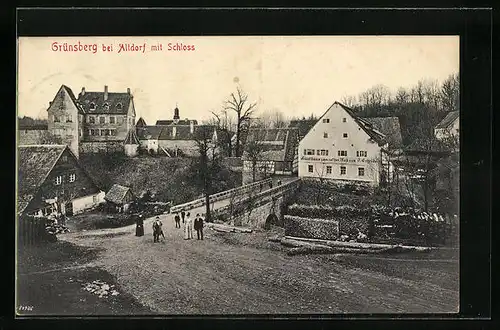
(342, 146)
(50, 178)
(93, 122)
(449, 127)
(274, 152)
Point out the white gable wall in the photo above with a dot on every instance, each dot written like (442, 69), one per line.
(357, 140)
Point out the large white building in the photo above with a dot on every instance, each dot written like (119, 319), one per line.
(342, 146)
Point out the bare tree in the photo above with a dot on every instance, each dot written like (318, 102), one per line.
(450, 93)
(348, 100)
(244, 111)
(402, 96)
(253, 151)
(223, 122)
(207, 164)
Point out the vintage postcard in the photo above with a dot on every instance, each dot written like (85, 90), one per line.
(237, 175)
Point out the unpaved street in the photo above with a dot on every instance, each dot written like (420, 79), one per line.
(244, 273)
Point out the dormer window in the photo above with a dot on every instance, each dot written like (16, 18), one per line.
(119, 106)
(92, 106)
(106, 106)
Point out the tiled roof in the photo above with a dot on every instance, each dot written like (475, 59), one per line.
(131, 137)
(448, 120)
(114, 101)
(35, 164)
(37, 127)
(180, 122)
(303, 125)
(183, 132)
(116, 194)
(148, 132)
(278, 144)
(390, 127)
(58, 101)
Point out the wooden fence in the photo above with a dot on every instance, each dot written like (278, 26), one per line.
(31, 230)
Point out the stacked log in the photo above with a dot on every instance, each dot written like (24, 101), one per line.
(315, 246)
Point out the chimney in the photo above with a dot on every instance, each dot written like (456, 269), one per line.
(105, 92)
(191, 126)
(128, 91)
(174, 131)
(50, 103)
(83, 91)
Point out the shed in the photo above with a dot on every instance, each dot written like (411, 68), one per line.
(119, 198)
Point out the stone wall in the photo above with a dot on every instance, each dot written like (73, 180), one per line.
(311, 227)
(98, 146)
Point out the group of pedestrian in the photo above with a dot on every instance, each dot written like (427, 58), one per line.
(187, 221)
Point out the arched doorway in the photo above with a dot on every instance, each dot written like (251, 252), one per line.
(271, 219)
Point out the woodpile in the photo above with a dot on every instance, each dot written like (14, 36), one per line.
(228, 229)
(316, 246)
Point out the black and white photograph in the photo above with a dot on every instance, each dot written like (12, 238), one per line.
(235, 175)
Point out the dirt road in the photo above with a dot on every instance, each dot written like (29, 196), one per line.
(244, 273)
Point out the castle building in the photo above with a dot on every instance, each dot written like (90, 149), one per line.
(93, 122)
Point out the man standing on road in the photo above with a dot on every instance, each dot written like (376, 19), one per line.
(183, 215)
(177, 221)
(188, 227)
(157, 230)
(198, 226)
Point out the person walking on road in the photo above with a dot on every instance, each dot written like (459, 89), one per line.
(183, 215)
(188, 227)
(157, 230)
(139, 229)
(177, 221)
(198, 226)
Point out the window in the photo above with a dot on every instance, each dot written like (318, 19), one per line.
(309, 152)
(325, 135)
(111, 120)
(310, 168)
(58, 180)
(119, 106)
(56, 118)
(91, 119)
(106, 106)
(344, 120)
(323, 152)
(318, 152)
(81, 132)
(92, 106)
(112, 132)
(361, 171)
(342, 170)
(342, 153)
(119, 120)
(361, 153)
(328, 170)
(344, 135)
(326, 120)
(72, 177)
(69, 119)
(102, 120)
(64, 158)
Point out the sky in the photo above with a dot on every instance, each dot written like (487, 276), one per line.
(296, 75)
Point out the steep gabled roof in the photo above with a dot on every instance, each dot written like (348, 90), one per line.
(118, 103)
(303, 125)
(366, 126)
(71, 95)
(35, 164)
(448, 119)
(278, 144)
(116, 194)
(390, 127)
(131, 137)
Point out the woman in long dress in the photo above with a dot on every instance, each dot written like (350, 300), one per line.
(139, 230)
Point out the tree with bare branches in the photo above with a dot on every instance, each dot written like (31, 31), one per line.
(223, 122)
(253, 152)
(239, 104)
